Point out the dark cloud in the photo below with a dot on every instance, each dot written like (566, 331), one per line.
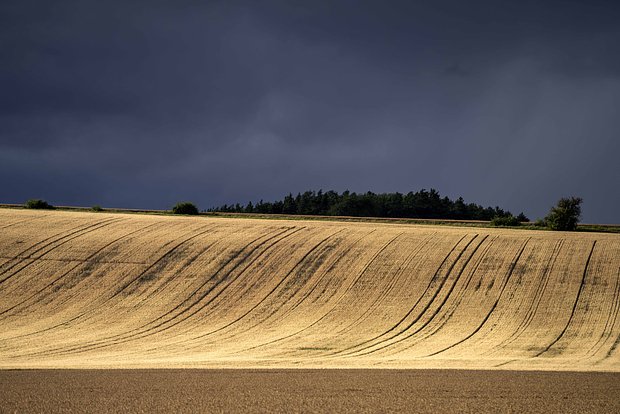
(141, 104)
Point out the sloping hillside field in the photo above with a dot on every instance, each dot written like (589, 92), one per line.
(112, 290)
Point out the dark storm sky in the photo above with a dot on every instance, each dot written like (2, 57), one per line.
(145, 103)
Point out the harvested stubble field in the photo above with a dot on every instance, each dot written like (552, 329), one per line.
(97, 290)
(115, 290)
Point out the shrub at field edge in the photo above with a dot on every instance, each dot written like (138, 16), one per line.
(38, 204)
(185, 208)
(505, 221)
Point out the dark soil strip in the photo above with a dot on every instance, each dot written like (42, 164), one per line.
(286, 391)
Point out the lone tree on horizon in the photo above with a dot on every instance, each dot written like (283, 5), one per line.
(565, 215)
(185, 208)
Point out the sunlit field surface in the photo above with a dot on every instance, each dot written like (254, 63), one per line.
(97, 290)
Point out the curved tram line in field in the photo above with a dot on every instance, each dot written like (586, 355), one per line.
(114, 290)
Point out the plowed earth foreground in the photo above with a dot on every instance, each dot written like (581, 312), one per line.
(111, 290)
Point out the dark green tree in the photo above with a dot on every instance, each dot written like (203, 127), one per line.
(185, 208)
(289, 206)
(39, 204)
(565, 215)
(522, 218)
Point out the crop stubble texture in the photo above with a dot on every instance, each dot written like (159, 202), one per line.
(135, 291)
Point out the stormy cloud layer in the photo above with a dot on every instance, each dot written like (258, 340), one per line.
(142, 104)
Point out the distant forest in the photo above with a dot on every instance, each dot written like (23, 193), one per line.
(422, 204)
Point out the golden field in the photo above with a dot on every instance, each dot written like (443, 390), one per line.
(98, 290)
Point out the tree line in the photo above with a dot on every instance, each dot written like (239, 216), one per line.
(422, 204)
(564, 216)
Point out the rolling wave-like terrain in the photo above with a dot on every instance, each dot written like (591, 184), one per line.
(127, 290)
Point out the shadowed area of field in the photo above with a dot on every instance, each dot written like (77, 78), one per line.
(116, 290)
(376, 390)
